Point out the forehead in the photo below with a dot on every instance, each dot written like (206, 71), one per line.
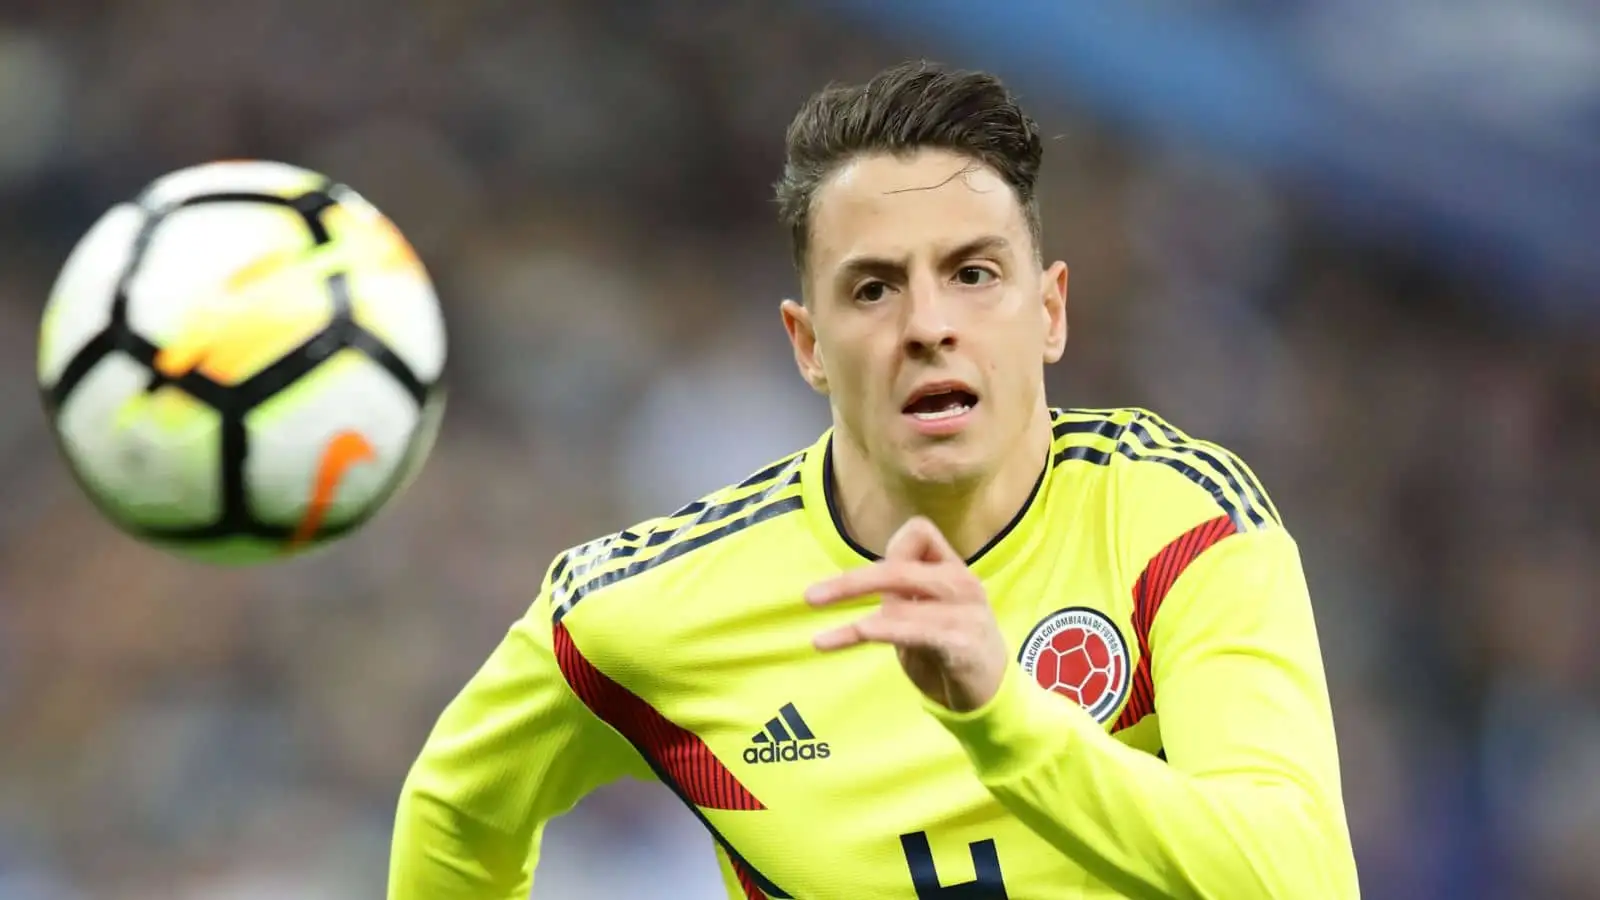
(897, 207)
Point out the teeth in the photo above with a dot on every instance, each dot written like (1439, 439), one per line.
(946, 413)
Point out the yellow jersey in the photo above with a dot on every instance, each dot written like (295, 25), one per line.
(1165, 730)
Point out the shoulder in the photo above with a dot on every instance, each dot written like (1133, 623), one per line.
(1160, 479)
(627, 556)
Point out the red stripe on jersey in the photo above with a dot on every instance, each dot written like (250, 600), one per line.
(1158, 577)
(679, 755)
(747, 881)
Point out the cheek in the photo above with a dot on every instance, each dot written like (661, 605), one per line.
(848, 362)
(852, 377)
(1014, 364)
(858, 385)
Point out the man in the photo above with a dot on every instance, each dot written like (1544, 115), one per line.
(963, 646)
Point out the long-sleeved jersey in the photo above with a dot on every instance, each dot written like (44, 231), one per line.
(1165, 730)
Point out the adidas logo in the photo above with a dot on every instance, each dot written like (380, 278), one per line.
(787, 738)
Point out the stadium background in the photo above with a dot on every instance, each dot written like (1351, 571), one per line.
(1356, 242)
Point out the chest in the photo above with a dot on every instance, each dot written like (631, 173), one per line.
(856, 790)
(732, 660)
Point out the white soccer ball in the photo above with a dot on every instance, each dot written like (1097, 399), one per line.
(243, 363)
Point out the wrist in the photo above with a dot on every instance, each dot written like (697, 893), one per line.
(1016, 728)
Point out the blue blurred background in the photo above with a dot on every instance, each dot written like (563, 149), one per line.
(1357, 241)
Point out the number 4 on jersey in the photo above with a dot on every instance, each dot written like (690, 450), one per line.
(987, 883)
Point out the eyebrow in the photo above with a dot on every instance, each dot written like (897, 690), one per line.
(882, 266)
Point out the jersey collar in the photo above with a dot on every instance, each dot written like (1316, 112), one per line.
(822, 512)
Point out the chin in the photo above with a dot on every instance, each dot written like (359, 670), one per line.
(948, 464)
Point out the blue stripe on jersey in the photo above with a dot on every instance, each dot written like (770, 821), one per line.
(1223, 498)
(701, 513)
(1246, 505)
(625, 544)
(1226, 461)
(734, 516)
(1104, 427)
(559, 568)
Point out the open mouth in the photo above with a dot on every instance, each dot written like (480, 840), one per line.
(940, 401)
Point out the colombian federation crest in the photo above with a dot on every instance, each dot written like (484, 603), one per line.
(1079, 653)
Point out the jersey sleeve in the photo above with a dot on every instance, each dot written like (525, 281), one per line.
(514, 749)
(1248, 803)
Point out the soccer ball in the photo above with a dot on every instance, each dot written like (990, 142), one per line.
(243, 363)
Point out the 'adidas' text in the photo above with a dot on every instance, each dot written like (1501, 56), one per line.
(786, 738)
(790, 751)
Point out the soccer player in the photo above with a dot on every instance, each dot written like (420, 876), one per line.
(965, 645)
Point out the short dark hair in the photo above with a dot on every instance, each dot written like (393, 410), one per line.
(908, 107)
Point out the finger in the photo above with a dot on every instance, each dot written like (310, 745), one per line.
(918, 580)
(838, 638)
(899, 631)
(920, 539)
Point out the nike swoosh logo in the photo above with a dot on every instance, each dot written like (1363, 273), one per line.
(344, 451)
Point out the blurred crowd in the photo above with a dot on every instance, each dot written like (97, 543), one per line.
(589, 183)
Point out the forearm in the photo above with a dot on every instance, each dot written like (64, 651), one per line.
(440, 854)
(1141, 826)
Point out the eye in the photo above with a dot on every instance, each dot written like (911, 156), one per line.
(871, 292)
(975, 276)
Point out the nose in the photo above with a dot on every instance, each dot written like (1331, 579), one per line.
(928, 326)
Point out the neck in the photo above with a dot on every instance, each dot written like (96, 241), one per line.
(969, 513)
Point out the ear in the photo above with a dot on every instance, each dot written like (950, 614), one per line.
(803, 338)
(1053, 294)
